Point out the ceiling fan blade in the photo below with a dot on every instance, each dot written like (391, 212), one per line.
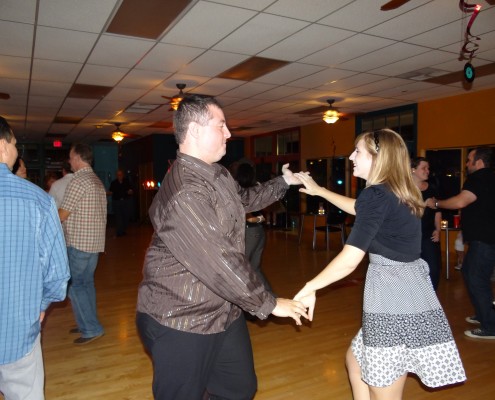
(4, 96)
(393, 4)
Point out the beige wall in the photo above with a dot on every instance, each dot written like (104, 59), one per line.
(459, 121)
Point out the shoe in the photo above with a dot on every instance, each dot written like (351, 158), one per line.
(86, 340)
(74, 330)
(479, 334)
(458, 267)
(472, 320)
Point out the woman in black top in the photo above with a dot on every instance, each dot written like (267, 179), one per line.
(430, 222)
(404, 328)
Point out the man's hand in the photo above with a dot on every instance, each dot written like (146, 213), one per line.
(290, 308)
(289, 176)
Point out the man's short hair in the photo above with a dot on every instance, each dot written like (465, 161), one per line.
(6, 132)
(84, 151)
(193, 108)
(484, 154)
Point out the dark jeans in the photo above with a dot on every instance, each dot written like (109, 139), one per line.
(188, 366)
(122, 211)
(431, 253)
(477, 269)
(255, 244)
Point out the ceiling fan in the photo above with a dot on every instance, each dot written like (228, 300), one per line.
(175, 100)
(4, 96)
(329, 111)
(118, 135)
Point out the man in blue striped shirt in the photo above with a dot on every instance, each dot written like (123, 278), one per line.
(33, 273)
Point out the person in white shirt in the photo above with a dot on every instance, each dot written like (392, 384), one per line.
(57, 190)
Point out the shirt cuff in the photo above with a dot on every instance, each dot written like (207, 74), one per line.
(267, 307)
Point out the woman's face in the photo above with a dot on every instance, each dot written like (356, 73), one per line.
(422, 171)
(361, 160)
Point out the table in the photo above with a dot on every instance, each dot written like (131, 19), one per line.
(447, 230)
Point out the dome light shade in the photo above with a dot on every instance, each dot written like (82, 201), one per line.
(117, 136)
(330, 116)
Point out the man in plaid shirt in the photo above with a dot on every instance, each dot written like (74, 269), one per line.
(84, 216)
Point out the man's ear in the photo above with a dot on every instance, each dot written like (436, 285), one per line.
(194, 129)
(3, 149)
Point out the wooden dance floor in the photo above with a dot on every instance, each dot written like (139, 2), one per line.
(292, 363)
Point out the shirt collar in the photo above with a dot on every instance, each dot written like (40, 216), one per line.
(209, 171)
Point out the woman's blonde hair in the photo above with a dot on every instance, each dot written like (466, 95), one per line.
(391, 166)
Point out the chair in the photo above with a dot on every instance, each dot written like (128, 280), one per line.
(336, 222)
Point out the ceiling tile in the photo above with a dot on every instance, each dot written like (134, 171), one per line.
(249, 89)
(413, 63)
(263, 31)
(125, 94)
(18, 86)
(355, 46)
(45, 88)
(322, 78)
(201, 18)
(279, 93)
(145, 19)
(14, 67)
(87, 15)
(139, 79)
(17, 39)
(418, 20)
(305, 42)
(212, 63)
(56, 71)
(289, 73)
(353, 81)
(18, 11)
(16, 99)
(217, 86)
(101, 75)
(438, 37)
(361, 15)
(63, 44)
(251, 4)
(374, 87)
(168, 57)
(382, 57)
(118, 51)
(45, 101)
(306, 10)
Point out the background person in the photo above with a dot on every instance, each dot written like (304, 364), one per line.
(33, 273)
(430, 221)
(404, 328)
(84, 216)
(19, 168)
(58, 188)
(121, 192)
(255, 237)
(196, 277)
(477, 201)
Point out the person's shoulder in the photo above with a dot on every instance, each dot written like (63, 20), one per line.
(29, 191)
(379, 190)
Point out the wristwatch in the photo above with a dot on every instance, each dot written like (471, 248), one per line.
(436, 204)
